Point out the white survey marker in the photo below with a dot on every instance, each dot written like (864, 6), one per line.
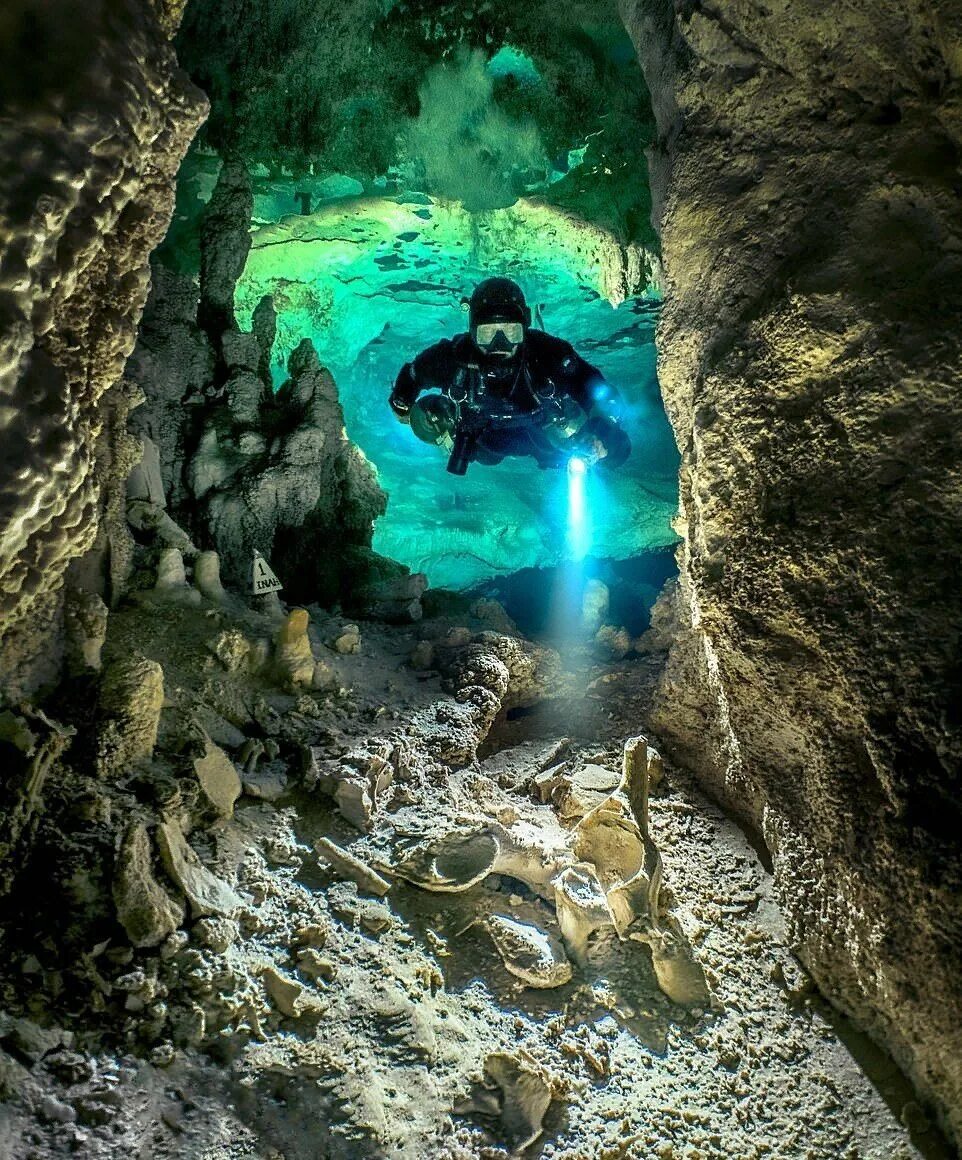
(262, 576)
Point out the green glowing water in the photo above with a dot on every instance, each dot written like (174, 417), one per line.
(374, 280)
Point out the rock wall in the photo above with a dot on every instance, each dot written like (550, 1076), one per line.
(96, 117)
(806, 179)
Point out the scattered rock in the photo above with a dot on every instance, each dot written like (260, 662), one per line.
(144, 908)
(358, 782)
(216, 933)
(529, 952)
(218, 778)
(349, 866)
(548, 781)
(422, 655)
(613, 643)
(290, 997)
(315, 965)
(348, 640)
(268, 783)
(207, 894)
(232, 649)
(580, 790)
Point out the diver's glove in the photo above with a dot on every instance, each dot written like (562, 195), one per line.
(590, 450)
(400, 406)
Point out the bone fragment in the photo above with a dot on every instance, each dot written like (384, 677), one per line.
(350, 866)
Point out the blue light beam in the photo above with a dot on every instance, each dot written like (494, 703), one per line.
(579, 526)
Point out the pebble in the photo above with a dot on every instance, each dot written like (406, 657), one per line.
(55, 1111)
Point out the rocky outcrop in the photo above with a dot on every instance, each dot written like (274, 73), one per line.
(278, 473)
(806, 182)
(94, 141)
(224, 244)
(243, 467)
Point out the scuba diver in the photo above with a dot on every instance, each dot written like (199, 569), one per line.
(505, 389)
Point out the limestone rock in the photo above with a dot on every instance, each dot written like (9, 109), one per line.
(422, 655)
(808, 357)
(106, 162)
(225, 242)
(580, 790)
(151, 518)
(665, 624)
(218, 778)
(206, 893)
(396, 601)
(264, 329)
(207, 576)
(306, 499)
(144, 908)
(131, 698)
(145, 481)
(240, 351)
(85, 617)
(528, 951)
(245, 392)
(293, 658)
(493, 614)
(594, 605)
(613, 643)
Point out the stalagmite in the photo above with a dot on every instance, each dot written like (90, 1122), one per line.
(293, 657)
(131, 699)
(207, 576)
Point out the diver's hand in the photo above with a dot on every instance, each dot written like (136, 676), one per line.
(401, 408)
(592, 451)
(598, 450)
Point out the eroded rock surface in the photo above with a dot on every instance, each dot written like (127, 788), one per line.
(807, 186)
(92, 146)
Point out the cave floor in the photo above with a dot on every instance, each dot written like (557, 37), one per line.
(379, 1049)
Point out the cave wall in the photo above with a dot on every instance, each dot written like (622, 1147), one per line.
(806, 186)
(95, 117)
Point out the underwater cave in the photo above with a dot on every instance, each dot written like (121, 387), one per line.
(383, 773)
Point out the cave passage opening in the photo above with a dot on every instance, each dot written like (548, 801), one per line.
(514, 149)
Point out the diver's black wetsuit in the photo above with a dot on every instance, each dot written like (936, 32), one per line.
(545, 372)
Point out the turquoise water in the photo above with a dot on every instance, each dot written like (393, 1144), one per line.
(374, 280)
